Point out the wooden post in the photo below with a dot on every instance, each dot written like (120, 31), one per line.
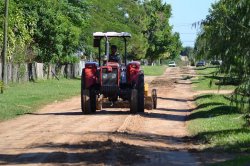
(5, 40)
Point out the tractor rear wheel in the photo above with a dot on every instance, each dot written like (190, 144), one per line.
(140, 88)
(134, 101)
(88, 97)
(83, 93)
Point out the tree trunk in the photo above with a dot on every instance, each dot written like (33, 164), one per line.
(4, 51)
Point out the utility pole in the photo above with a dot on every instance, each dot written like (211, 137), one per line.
(4, 51)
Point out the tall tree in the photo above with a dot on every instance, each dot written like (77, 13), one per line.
(162, 41)
(120, 16)
(225, 35)
(4, 51)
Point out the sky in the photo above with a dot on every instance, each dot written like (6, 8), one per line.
(184, 14)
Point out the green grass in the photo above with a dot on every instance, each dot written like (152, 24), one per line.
(207, 80)
(206, 70)
(154, 70)
(219, 125)
(19, 99)
(238, 161)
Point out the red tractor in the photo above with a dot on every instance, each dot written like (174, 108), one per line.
(112, 81)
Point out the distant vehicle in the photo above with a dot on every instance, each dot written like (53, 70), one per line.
(200, 63)
(172, 64)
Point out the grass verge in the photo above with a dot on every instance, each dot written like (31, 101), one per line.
(153, 70)
(242, 160)
(216, 122)
(207, 80)
(219, 125)
(19, 99)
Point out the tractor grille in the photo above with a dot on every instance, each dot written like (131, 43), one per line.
(109, 82)
(109, 78)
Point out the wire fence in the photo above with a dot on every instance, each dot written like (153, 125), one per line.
(24, 72)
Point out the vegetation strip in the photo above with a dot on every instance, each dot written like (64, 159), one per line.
(25, 98)
(217, 122)
(209, 79)
(153, 70)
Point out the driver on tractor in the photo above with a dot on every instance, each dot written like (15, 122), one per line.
(114, 56)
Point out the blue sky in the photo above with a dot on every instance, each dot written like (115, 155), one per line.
(184, 14)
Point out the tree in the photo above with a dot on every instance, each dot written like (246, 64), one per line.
(162, 42)
(120, 16)
(225, 35)
(4, 51)
(189, 52)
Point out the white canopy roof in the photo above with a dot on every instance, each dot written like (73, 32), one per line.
(111, 34)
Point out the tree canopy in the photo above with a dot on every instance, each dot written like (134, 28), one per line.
(53, 31)
(225, 36)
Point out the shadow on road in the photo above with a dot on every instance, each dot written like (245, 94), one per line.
(174, 99)
(102, 112)
(102, 152)
(175, 110)
(113, 152)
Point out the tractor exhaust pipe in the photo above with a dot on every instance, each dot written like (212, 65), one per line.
(107, 48)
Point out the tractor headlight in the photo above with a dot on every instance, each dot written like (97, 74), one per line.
(113, 76)
(104, 76)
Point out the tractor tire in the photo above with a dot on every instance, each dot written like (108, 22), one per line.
(88, 101)
(88, 98)
(154, 98)
(83, 93)
(93, 97)
(140, 87)
(134, 101)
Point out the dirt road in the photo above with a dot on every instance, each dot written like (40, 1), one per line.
(59, 134)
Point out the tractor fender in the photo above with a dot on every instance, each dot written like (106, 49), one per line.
(133, 71)
(90, 71)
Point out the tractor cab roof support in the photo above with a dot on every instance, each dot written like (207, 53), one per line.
(125, 54)
(99, 55)
(99, 35)
(107, 48)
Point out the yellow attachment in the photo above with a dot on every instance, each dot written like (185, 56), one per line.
(145, 89)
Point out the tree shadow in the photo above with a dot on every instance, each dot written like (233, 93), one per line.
(216, 111)
(200, 68)
(164, 116)
(209, 104)
(101, 112)
(174, 99)
(93, 152)
(184, 83)
(175, 110)
(206, 96)
(235, 146)
(108, 112)
(105, 152)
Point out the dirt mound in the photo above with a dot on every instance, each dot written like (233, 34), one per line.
(163, 82)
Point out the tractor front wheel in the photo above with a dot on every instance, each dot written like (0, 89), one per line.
(140, 87)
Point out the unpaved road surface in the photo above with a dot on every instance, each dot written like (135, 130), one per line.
(59, 134)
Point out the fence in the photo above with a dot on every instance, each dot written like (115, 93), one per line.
(31, 71)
